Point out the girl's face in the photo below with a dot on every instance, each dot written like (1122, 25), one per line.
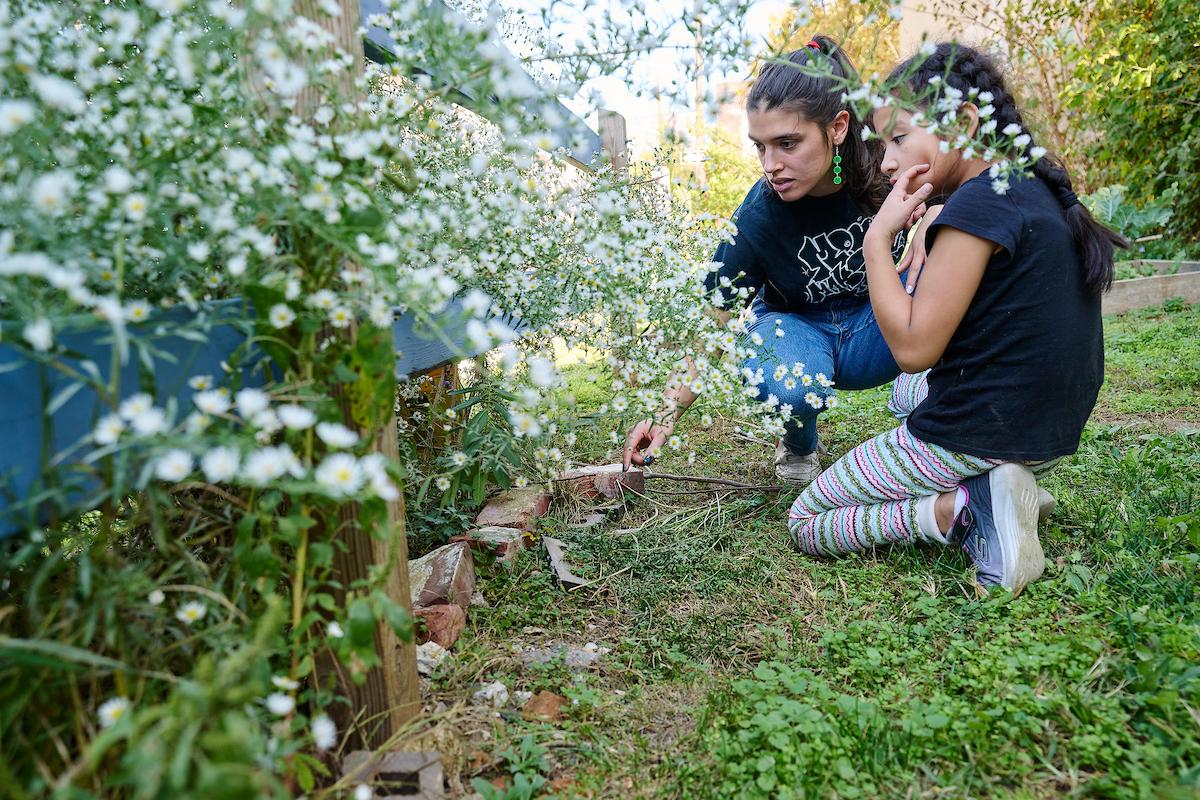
(906, 144)
(795, 153)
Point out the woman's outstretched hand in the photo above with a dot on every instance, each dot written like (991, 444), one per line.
(646, 439)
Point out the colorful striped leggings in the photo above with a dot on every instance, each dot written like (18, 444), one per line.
(869, 496)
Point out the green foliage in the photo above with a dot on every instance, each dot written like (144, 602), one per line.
(526, 766)
(1134, 84)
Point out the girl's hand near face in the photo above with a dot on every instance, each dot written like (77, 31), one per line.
(899, 209)
(915, 254)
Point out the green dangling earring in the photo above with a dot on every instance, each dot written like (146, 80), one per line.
(837, 167)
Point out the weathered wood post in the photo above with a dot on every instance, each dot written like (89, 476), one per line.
(612, 139)
(390, 697)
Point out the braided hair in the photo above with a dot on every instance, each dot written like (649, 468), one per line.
(818, 98)
(965, 68)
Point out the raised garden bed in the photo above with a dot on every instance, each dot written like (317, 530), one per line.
(1171, 279)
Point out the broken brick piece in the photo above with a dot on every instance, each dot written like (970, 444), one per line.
(607, 480)
(443, 624)
(447, 575)
(503, 543)
(515, 508)
(544, 706)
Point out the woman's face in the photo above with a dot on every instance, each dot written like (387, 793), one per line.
(795, 153)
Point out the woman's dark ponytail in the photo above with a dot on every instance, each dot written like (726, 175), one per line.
(965, 68)
(818, 98)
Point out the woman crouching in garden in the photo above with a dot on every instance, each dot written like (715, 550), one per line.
(1008, 319)
(798, 252)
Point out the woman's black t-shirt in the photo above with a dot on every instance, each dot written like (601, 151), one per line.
(799, 255)
(1020, 375)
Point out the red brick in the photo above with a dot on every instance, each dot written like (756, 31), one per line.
(516, 508)
(443, 624)
(607, 480)
(447, 575)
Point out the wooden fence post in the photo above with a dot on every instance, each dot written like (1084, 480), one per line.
(612, 139)
(390, 697)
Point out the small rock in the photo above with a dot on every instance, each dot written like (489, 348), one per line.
(608, 480)
(522, 697)
(515, 508)
(429, 655)
(574, 657)
(479, 601)
(444, 623)
(492, 694)
(545, 706)
(447, 575)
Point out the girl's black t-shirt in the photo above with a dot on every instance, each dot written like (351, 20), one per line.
(798, 255)
(1021, 373)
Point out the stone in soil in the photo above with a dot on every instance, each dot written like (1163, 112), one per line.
(606, 480)
(576, 658)
(493, 694)
(429, 655)
(446, 575)
(444, 623)
(515, 508)
(544, 706)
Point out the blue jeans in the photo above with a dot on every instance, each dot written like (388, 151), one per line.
(842, 342)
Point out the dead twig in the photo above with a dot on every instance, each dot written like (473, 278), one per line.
(720, 481)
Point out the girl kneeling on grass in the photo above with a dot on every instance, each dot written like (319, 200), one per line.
(1006, 319)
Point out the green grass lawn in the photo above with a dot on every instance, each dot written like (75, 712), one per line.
(739, 668)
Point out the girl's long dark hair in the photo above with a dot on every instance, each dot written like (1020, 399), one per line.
(966, 68)
(818, 98)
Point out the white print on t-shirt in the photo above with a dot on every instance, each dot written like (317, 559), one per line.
(830, 264)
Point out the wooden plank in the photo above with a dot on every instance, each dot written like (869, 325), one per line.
(1165, 266)
(1153, 291)
(390, 697)
(581, 143)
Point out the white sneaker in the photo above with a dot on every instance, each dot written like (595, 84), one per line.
(792, 468)
(1046, 504)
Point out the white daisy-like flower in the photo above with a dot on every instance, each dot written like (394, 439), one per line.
(112, 711)
(191, 612)
(363, 792)
(323, 300)
(212, 401)
(520, 482)
(281, 315)
(324, 732)
(39, 334)
(280, 704)
(458, 458)
(58, 93)
(340, 317)
(15, 114)
(442, 483)
(1000, 186)
(285, 683)
(298, 418)
(136, 206)
(117, 180)
(251, 401)
(780, 372)
(52, 192)
(1011, 129)
(135, 404)
(108, 430)
(334, 631)
(813, 399)
(336, 435)
(137, 311)
(541, 373)
(798, 369)
(220, 464)
(340, 474)
(199, 251)
(200, 382)
(150, 422)
(263, 466)
(156, 597)
(174, 466)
